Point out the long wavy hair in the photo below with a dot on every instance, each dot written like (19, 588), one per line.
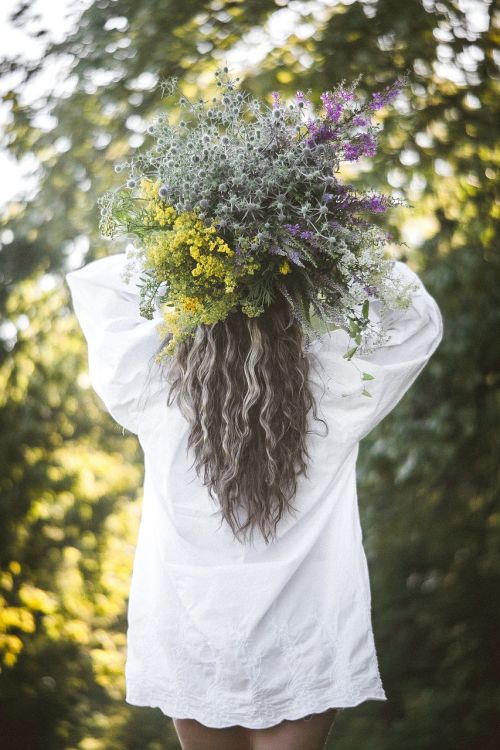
(243, 385)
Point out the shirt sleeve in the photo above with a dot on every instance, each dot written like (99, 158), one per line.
(414, 335)
(120, 342)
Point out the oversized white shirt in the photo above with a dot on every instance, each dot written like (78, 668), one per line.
(252, 634)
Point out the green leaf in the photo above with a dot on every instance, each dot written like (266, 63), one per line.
(353, 327)
(364, 392)
(367, 376)
(350, 353)
(364, 309)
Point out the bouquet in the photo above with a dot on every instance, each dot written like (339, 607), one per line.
(240, 200)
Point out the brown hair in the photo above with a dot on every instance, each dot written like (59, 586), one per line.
(243, 385)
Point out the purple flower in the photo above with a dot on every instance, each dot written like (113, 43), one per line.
(320, 133)
(360, 120)
(345, 95)
(306, 235)
(333, 106)
(276, 99)
(352, 151)
(364, 145)
(301, 99)
(378, 100)
(294, 256)
(344, 197)
(381, 98)
(375, 203)
(294, 229)
(369, 144)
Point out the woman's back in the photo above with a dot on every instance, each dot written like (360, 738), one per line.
(248, 633)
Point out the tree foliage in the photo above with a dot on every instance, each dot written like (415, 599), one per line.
(428, 476)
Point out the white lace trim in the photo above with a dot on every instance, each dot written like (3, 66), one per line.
(256, 716)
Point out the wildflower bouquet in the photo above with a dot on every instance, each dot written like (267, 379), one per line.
(240, 201)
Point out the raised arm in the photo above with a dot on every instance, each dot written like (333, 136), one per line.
(120, 342)
(414, 335)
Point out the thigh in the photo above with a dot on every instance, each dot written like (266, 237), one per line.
(309, 733)
(195, 736)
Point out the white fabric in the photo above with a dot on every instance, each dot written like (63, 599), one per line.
(228, 634)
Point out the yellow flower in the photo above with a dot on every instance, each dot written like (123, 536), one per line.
(285, 267)
(150, 189)
(191, 304)
(170, 321)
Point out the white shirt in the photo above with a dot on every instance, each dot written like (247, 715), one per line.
(251, 635)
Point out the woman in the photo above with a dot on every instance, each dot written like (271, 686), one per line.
(249, 609)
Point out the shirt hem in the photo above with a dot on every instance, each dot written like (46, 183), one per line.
(171, 708)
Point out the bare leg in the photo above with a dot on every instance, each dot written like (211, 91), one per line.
(195, 736)
(308, 733)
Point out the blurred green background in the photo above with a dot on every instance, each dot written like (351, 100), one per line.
(428, 475)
